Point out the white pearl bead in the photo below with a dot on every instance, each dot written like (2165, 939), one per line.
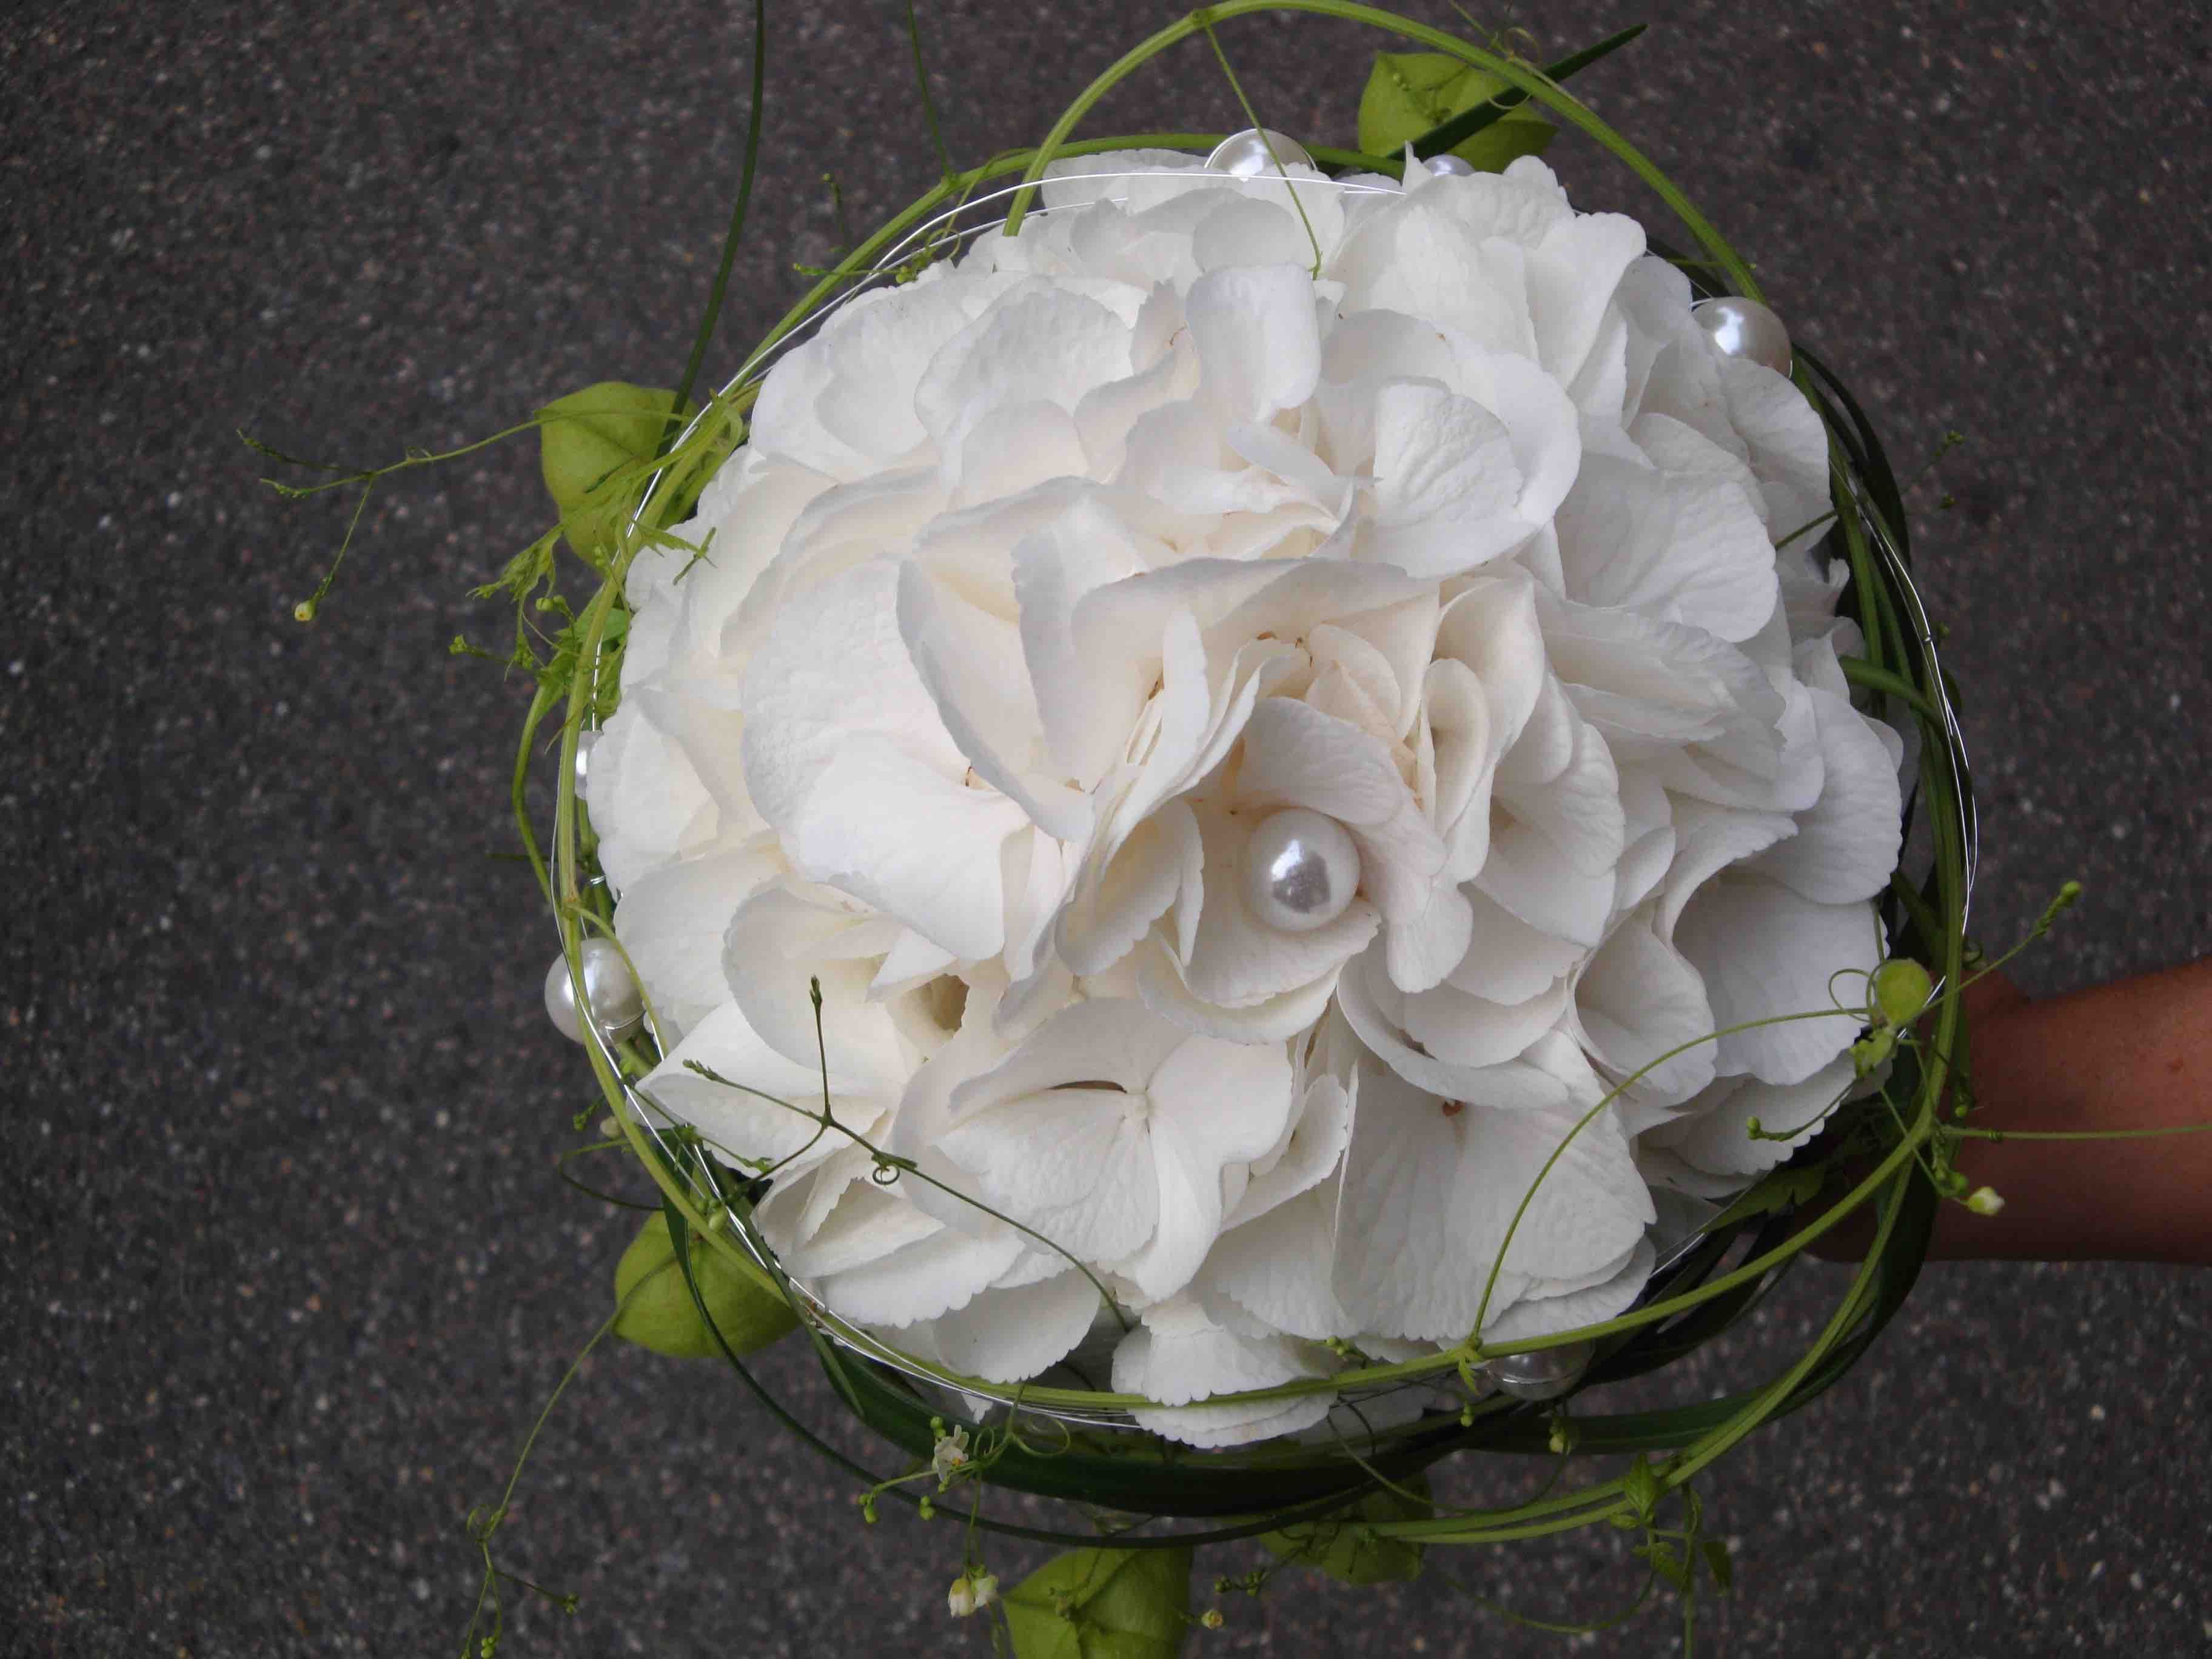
(1744, 328)
(1544, 1374)
(617, 1007)
(1300, 871)
(585, 742)
(1449, 165)
(1246, 154)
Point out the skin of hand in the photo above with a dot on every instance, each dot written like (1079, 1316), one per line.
(2133, 1054)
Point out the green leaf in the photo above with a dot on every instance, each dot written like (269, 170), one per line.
(1344, 1549)
(1409, 93)
(1669, 1565)
(1103, 1604)
(1717, 1561)
(1793, 1184)
(662, 1315)
(586, 437)
(1640, 1486)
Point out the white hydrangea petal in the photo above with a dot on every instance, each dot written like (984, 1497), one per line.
(1514, 1086)
(1306, 1156)
(1464, 1030)
(1162, 858)
(1507, 960)
(1247, 231)
(1686, 549)
(1787, 445)
(788, 936)
(766, 1107)
(1072, 181)
(1638, 1000)
(1560, 781)
(971, 663)
(1528, 876)
(670, 922)
(1400, 1268)
(834, 665)
(1180, 1355)
(1071, 1165)
(1545, 1312)
(867, 1225)
(1258, 349)
(1100, 1040)
(1716, 1136)
(1446, 482)
(1272, 1018)
(1764, 951)
(1279, 1267)
(1007, 1335)
(1572, 275)
(1036, 343)
(647, 805)
(925, 1280)
(894, 831)
(1847, 842)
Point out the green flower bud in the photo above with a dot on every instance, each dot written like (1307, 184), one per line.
(1984, 1201)
(1342, 1546)
(1410, 92)
(1901, 989)
(1103, 1604)
(662, 1316)
(586, 436)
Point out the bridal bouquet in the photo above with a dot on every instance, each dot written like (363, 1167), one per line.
(1234, 819)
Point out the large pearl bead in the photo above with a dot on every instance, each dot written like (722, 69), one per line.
(1246, 154)
(1449, 165)
(617, 1007)
(1744, 328)
(1546, 1374)
(1300, 871)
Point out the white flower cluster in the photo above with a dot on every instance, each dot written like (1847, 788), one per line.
(1257, 720)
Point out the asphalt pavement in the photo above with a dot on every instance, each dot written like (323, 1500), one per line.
(290, 1268)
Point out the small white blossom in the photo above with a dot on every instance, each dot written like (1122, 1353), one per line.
(949, 1456)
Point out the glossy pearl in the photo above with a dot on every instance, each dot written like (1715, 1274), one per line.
(1449, 165)
(1246, 154)
(585, 742)
(1744, 328)
(617, 1008)
(1300, 871)
(1544, 1374)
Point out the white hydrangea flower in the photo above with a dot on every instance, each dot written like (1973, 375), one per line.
(1048, 583)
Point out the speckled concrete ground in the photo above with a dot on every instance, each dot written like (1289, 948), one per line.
(289, 1269)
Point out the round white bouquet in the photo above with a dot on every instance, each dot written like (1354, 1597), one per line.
(1260, 702)
(1232, 831)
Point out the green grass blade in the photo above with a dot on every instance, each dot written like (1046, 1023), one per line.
(1463, 126)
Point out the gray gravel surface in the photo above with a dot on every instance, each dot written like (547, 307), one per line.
(290, 1270)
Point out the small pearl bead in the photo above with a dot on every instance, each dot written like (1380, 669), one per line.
(1544, 1374)
(1300, 871)
(1744, 328)
(585, 742)
(617, 1007)
(1449, 165)
(1246, 154)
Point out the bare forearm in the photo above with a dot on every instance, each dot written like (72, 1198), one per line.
(2135, 1054)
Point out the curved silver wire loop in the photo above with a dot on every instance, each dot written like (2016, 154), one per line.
(971, 1397)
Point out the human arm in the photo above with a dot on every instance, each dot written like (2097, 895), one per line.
(2135, 1054)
